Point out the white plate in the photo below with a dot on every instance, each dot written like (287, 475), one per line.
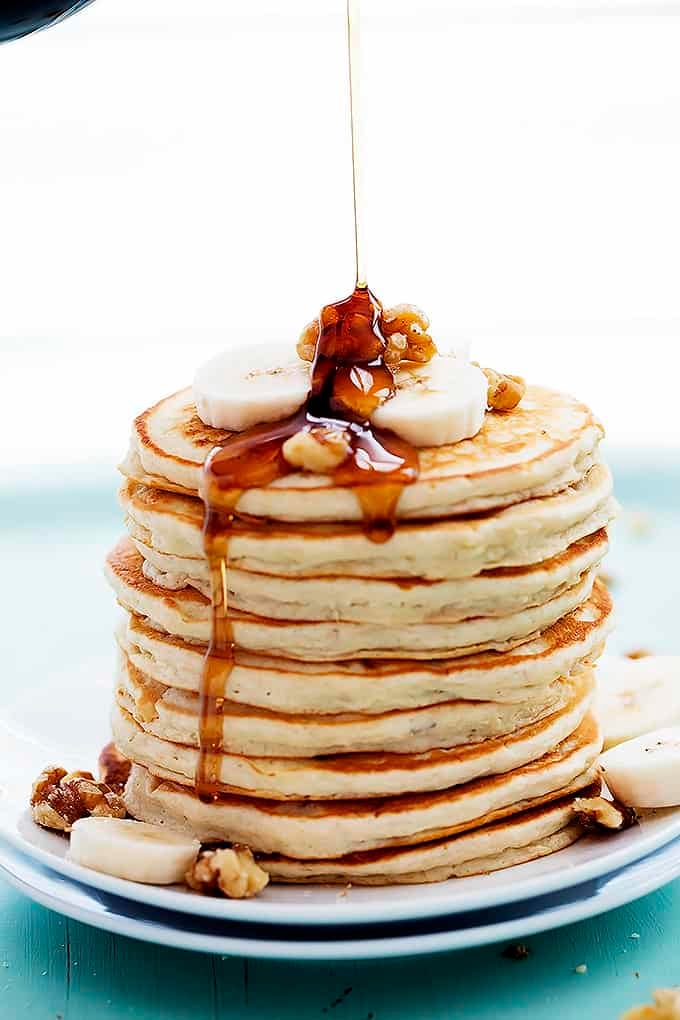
(227, 937)
(25, 750)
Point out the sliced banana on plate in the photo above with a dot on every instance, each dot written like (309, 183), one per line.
(132, 850)
(635, 696)
(645, 772)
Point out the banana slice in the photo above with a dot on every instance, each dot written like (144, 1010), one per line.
(248, 386)
(436, 403)
(636, 696)
(440, 402)
(132, 850)
(645, 772)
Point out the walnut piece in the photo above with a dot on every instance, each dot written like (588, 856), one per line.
(505, 391)
(404, 327)
(666, 1007)
(59, 798)
(233, 872)
(409, 326)
(319, 449)
(114, 768)
(603, 815)
(306, 345)
(516, 952)
(395, 351)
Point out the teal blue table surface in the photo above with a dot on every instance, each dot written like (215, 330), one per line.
(51, 545)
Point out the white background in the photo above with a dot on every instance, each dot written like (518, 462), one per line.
(175, 178)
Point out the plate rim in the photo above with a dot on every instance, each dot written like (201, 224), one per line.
(598, 901)
(344, 910)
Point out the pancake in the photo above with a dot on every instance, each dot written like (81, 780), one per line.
(332, 828)
(348, 776)
(187, 614)
(544, 445)
(391, 602)
(515, 840)
(175, 716)
(397, 712)
(528, 533)
(379, 685)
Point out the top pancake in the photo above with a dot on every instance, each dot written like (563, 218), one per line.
(547, 443)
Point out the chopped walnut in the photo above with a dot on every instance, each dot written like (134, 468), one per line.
(516, 952)
(306, 345)
(59, 799)
(234, 873)
(409, 326)
(320, 449)
(603, 815)
(404, 327)
(395, 351)
(114, 768)
(505, 391)
(666, 1007)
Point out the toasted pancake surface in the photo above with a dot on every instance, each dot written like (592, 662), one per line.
(406, 711)
(186, 613)
(374, 685)
(349, 775)
(547, 443)
(514, 840)
(332, 828)
(175, 715)
(531, 532)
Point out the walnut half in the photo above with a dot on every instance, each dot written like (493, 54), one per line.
(233, 872)
(404, 327)
(603, 815)
(505, 391)
(306, 345)
(320, 449)
(59, 798)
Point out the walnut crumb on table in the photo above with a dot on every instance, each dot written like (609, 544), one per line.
(666, 1007)
(516, 952)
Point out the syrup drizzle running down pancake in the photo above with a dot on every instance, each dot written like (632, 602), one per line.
(350, 379)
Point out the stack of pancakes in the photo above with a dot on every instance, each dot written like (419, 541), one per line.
(397, 712)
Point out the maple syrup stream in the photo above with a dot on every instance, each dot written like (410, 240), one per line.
(349, 379)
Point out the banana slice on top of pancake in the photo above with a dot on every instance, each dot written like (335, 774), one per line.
(440, 402)
(249, 386)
